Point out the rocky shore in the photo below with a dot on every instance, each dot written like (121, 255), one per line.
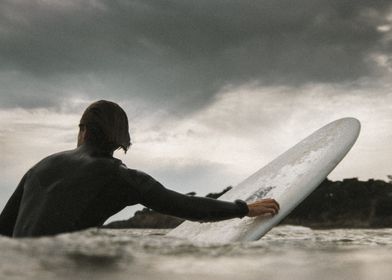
(346, 204)
(334, 204)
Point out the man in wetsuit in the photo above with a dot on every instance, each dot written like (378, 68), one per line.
(82, 188)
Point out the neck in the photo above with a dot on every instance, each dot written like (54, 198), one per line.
(94, 149)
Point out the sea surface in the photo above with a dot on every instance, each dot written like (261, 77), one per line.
(286, 252)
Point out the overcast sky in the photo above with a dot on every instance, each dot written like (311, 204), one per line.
(214, 90)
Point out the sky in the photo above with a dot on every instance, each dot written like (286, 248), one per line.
(214, 90)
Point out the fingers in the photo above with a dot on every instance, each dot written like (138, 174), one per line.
(264, 210)
(268, 203)
(270, 200)
(263, 206)
(268, 207)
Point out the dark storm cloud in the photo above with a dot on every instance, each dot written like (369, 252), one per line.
(182, 51)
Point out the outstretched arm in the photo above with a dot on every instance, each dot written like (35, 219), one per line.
(192, 208)
(205, 209)
(155, 196)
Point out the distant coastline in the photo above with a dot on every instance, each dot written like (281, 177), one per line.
(349, 203)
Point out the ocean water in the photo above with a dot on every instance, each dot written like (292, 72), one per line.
(286, 252)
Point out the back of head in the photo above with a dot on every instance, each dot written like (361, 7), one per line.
(106, 124)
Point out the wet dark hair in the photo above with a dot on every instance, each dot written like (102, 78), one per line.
(106, 125)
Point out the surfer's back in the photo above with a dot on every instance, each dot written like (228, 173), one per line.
(62, 192)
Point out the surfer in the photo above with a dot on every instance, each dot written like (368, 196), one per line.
(83, 187)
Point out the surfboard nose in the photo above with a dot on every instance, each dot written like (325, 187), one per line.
(348, 125)
(352, 120)
(351, 123)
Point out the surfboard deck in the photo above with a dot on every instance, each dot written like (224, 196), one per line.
(289, 179)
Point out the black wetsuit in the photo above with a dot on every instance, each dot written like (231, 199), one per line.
(81, 188)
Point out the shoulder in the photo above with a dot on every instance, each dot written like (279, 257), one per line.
(133, 175)
(137, 179)
(49, 160)
(58, 155)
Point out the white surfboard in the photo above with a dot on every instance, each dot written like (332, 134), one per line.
(289, 179)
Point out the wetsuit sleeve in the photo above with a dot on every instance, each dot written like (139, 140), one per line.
(155, 196)
(11, 209)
